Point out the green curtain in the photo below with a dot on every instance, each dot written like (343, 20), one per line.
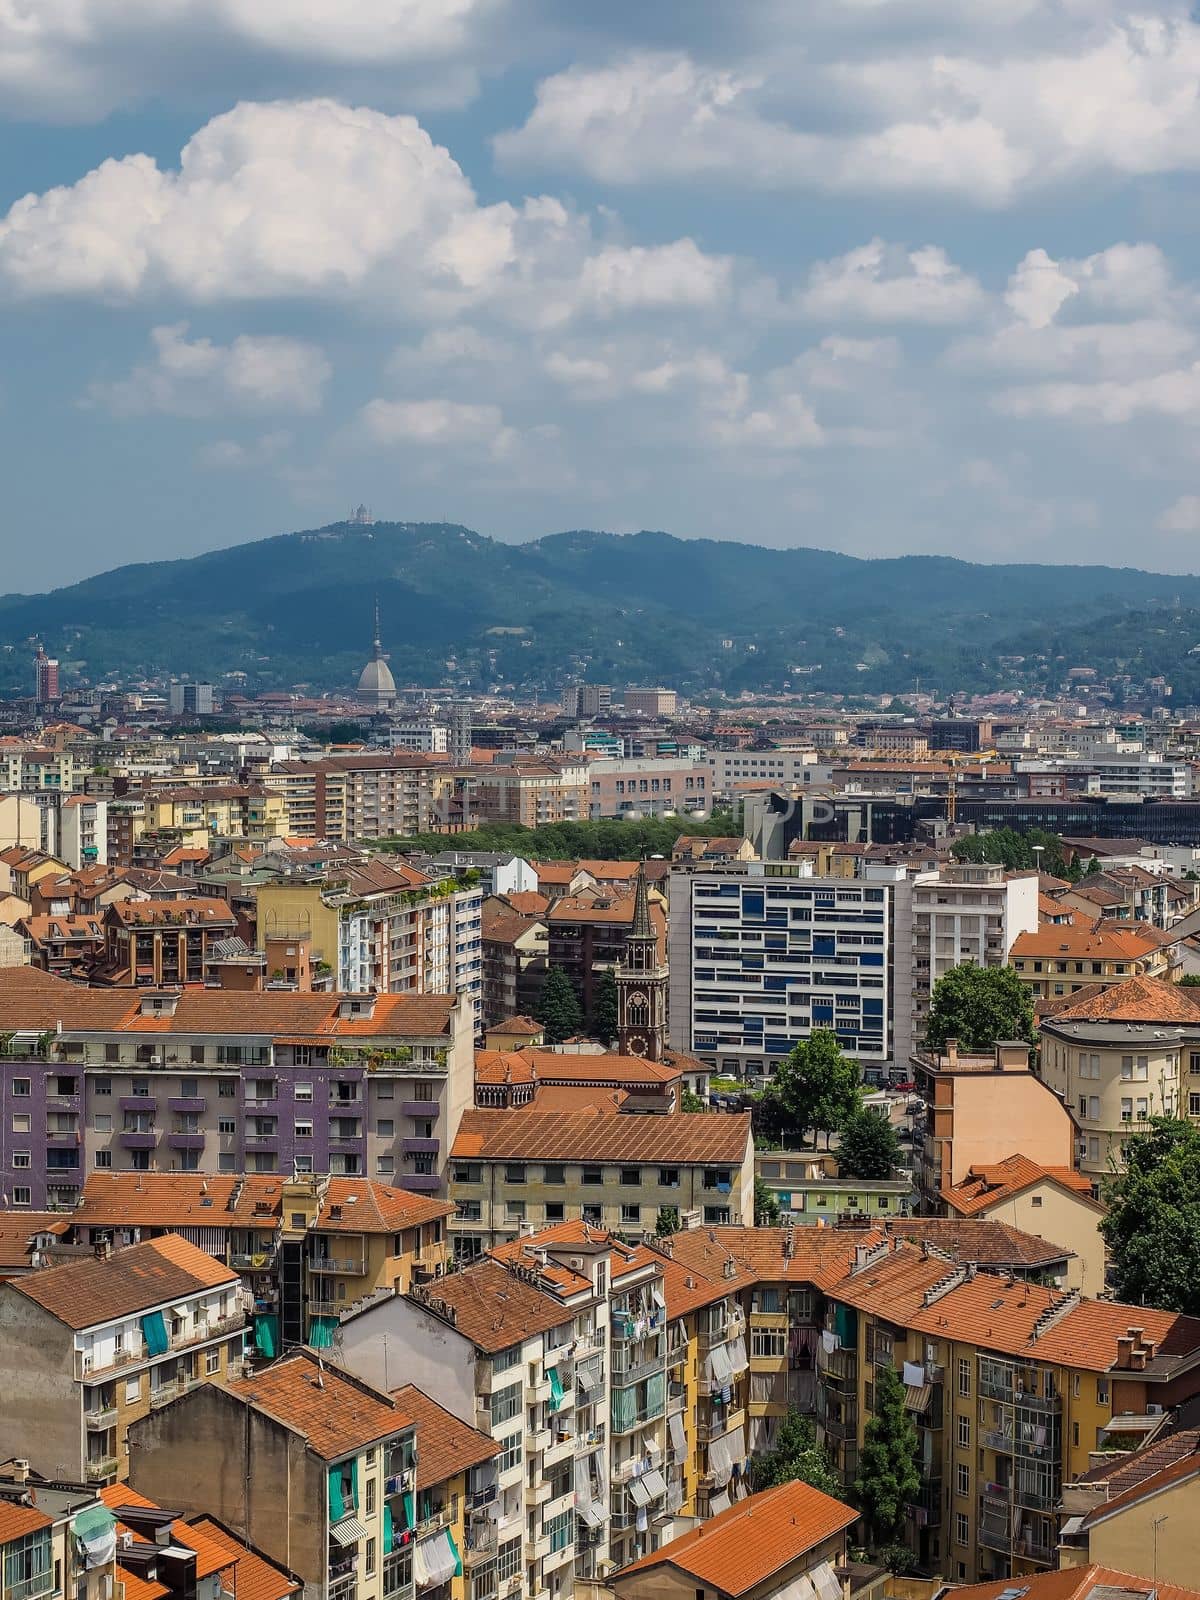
(623, 1409)
(337, 1506)
(556, 1389)
(454, 1552)
(407, 1500)
(354, 1483)
(389, 1532)
(320, 1332)
(656, 1393)
(155, 1331)
(266, 1335)
(845, 1324)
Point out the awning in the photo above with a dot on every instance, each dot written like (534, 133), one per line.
(799, 1589)
(675, 1429)
(917, 1396)
(591, 1514)
(96, 1530)
(824, 1581)
(434, 1560)
(658, 1296)
(738, 1359)
(589, 1374)
(654, 1483)
(720, 1369)
(638, 1492)
(320, 1332)
(155, 1331)
(348, 1531)
(266, 1334)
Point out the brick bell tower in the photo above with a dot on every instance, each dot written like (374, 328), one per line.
(642, 982)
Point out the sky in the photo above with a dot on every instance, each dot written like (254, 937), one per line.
(881, 276)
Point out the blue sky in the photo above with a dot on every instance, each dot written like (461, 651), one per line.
(876, 275)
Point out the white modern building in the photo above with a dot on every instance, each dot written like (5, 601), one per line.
(786, 768)
(761, 953)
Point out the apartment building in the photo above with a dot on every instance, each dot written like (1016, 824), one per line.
(306, 1248)
(311, 1465)
(761, 953)
(520, 1348)
(83, 831)
(966, 912)
(1059, 959)
(161, 1554)
(382, 927)
(588, 935)
(978, 1110)
(789, 769)
(88, 1347)
(510, 1169)
(650, 702)
(193, 815)
(624, 786)
(515, 950)
(222, 1082)
(1055, 1201)
(530, 790)
(368, 795)
(152, 943)
(55, 1539)
(1119, 1056)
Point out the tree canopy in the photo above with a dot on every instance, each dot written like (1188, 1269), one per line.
(814, 1087)
(559, 1011)
(978, 1006)
(1015, 851)
(888, 1476)
(767, 1210)
(1152, 1229)
(604, 1008)
(795, 1456)
(867, 1146)
(608, 839)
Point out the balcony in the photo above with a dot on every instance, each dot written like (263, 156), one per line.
(839, 1366)
(926, 1509)
(100, 1470)
(995, 1526)
(421, 1110)
(481, 1541)
(253, 1260)
(676, 1398)
(345, 1266)
(137, 1102)
(62, 1102)
(63, 1139)
(131, 1139)
(397, 1575)
(185, 1141)
(419, 1182)
(42, 1583)
(262, 1143)
(997, 1439)
(420, 1147)
(188, 1105)
(844, 1428)
(100, 1418)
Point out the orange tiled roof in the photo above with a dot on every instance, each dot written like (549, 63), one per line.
(744, 1546)
(17, 1229)
(153, 1273)
(256, 1578)
(18, 1520)
(179, 1199)
(595, 1098)
(528, 902)
(1138, 999)
(445, 1444)
(545, 1250)
(336, 1413)
(1187, 1466)
(1098, 940)
(494, 1308)
(1077, 1583)
(989, 1185)
(580, 1136)
(366, 1207)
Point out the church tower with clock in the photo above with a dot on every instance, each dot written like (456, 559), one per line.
(642, 979)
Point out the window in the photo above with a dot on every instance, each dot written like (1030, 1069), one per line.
(555, 1211)
(302, 1091)
(592, 1175)
(510, 1454)
(227, 1088)
(962, 1528)
(370, 1497)
(102, 1086)
(21, 1160)
(226, 1125)
(370, 1549)
(21, 1123)
(102, 1122)
(962, 1481)
(20, 1088)
(104, 1158)
(631, 1176)
(769, 1342)
(133, 1391)
(468, 1172)
(554, 1172)
(385, 1128)
(385, 1166)
(514, 1211)
(112, 1052)
(22, 1196)
(226, 1161)
(1035, 1201)
(508, 1556)
(631, 1215)
(964, 1433)
(212, 1362)
(506, 1404)
(304, 1130)
(1101, 1391)
(29, 1565)
(506, 1360)
(668, 1177)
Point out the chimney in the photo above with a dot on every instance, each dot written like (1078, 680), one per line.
(20, 1470)
(1124, 1350)
(1138, 1360)
(951, 1052)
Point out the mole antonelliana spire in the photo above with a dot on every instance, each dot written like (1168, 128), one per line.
(376, 686)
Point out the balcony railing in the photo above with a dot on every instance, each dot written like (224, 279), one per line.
(99, 1418)
(31, 1588)
(99, 1470)
(347, 1266)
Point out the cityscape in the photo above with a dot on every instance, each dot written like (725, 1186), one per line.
(642, 1044)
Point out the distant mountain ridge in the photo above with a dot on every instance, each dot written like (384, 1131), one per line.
(698, 613)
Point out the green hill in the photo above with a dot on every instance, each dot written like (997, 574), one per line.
(695, 613)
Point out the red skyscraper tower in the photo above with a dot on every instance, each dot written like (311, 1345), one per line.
(46, 670)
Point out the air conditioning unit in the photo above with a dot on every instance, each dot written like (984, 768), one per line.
(1154, 1409)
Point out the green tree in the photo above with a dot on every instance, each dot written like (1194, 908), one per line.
(559, 1011)
(814, 1087)
(1190, 980)
(1017, 852)
(888, 1475)
(604, 1008)
(767, 1211)
(867, 1146)
(977, 1006)
(1152, 1229)
(795, 1455)
(689, 1100)
(667, 1222)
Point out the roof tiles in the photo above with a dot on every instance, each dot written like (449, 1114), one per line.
(82, 1294)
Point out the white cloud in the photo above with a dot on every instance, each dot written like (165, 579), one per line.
(1125, 277)
(1085, 349)
(1174, 394)
(235, 455)
(437, 424)
(197, 377)
(79, 58)
(1038, 290)
(637, 278)
(882, 282)
(576, 371)
(787, 423)
(1183, 516)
